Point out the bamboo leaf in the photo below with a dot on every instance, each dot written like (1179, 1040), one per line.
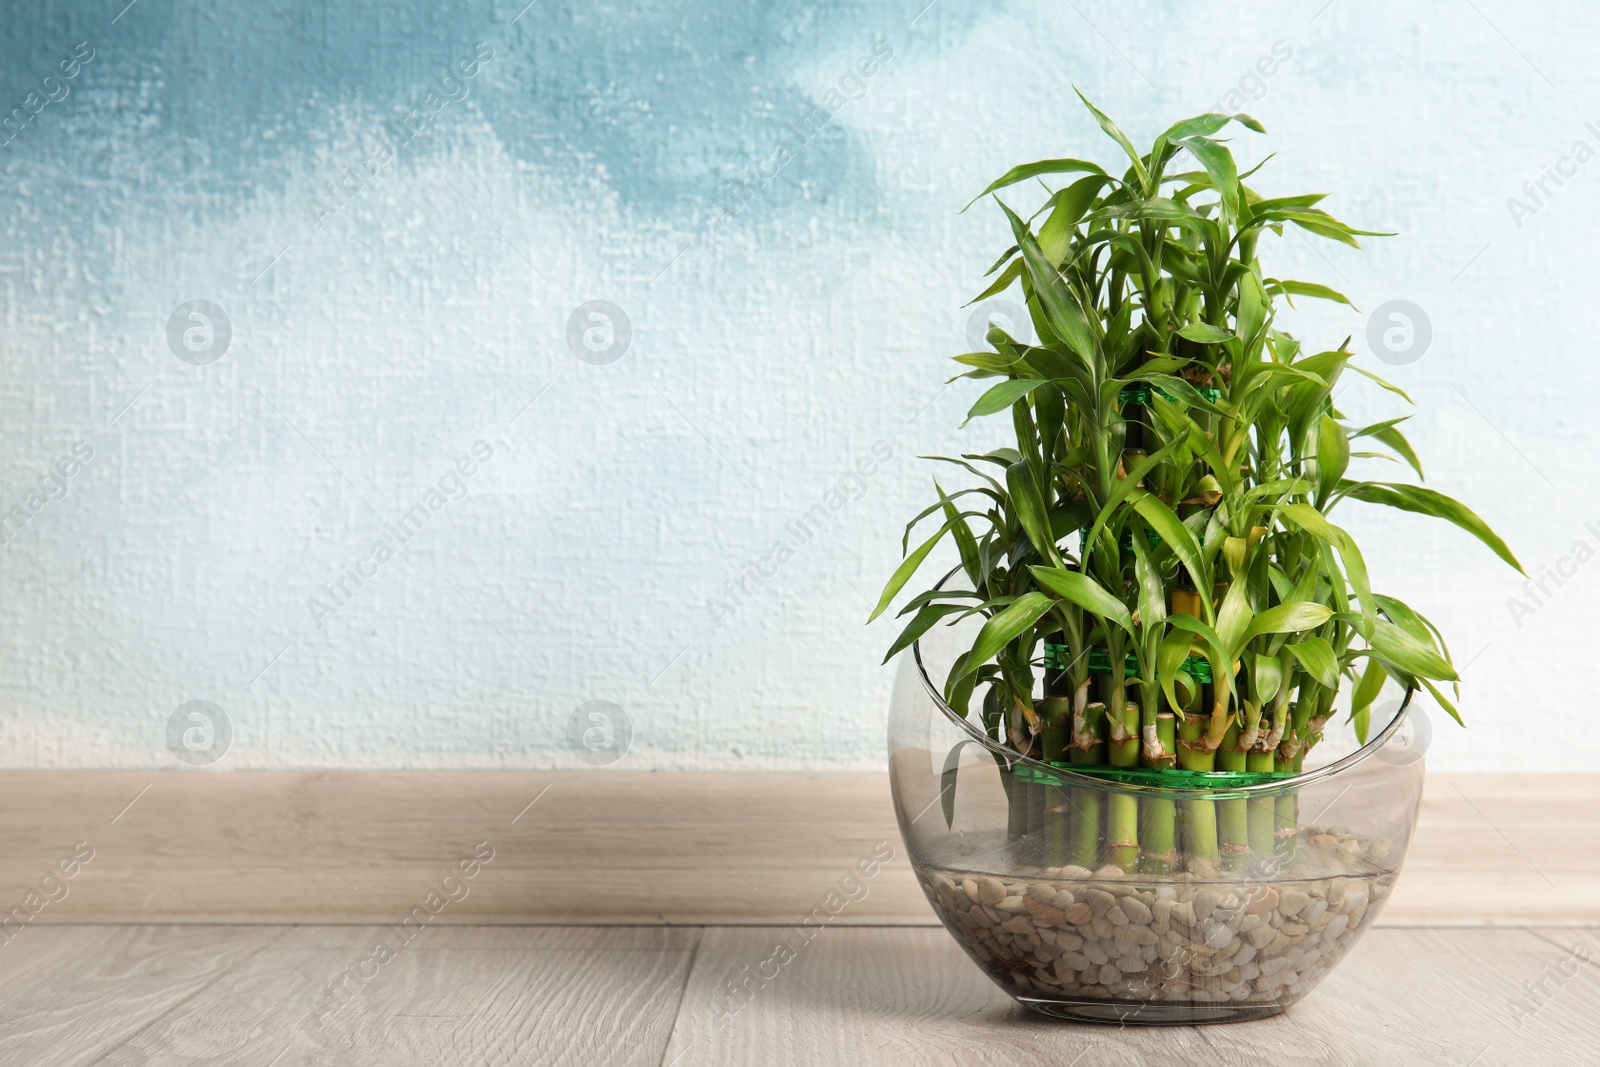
(920, 624)
(1030, 510)
(1366, 691)
(1116, 134)
(1000, 397)
(1005, 627)
(1155, 209)
(907, 568)
(1205, 333)
(1218, 163)
(1069, 205)
(994, 362)
(1004, 256)
(1439, 698)
(1001, 284)
(1390, 386)
(1395, 440)
(1286, 619)
(1415, 498)
(1395, 648)
(966, 545)
(1333, 455)
(1206, 125)
(1355, 568)
(1255, 307)
(1213, 650)
(1035, 170)
(1062, 312)
(1317, 658)
(1086, 593)
(1234, 615)
(1177, 537)
(947, 783)
(1126, 486)
(1175, 648)
(1292, 288)
(1152, 596)
(1266, 675)
(1279, 203)
(1315, 523)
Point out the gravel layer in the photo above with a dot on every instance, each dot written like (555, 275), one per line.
(1107, 935)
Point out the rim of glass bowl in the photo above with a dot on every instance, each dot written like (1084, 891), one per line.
(1013, 758)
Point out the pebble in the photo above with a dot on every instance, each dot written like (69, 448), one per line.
(1138, 933)
(1218, 935)
(985, 890)
(1046, 913)
(1099, 901)
(1134, 910)
(1263, 903)
(1115, 935)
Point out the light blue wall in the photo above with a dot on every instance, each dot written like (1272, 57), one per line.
(780, 337)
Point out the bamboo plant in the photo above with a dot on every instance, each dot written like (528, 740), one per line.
(1163, 589)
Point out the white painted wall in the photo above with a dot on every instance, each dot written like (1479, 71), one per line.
(770, 356)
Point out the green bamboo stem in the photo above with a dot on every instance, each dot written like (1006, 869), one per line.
(1293, 743)
(1122, 816)
(1263, 810)
(1020, 795)
(1087, 749)
(1286, 817)
(1122, 739)
(1055, 723)
(1199, 816)
(1233, 820)
(1285, 806)
(1158, 830)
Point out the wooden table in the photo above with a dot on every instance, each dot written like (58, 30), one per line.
(626, 918)
(853, 995)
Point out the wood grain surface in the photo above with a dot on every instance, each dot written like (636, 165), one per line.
(685, 997)
(1403, 997)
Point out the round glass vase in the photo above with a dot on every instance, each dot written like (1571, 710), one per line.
(1018, 861)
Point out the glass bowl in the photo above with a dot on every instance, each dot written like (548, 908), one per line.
(1072, 924)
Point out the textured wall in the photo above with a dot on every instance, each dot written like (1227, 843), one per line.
(394, 519)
